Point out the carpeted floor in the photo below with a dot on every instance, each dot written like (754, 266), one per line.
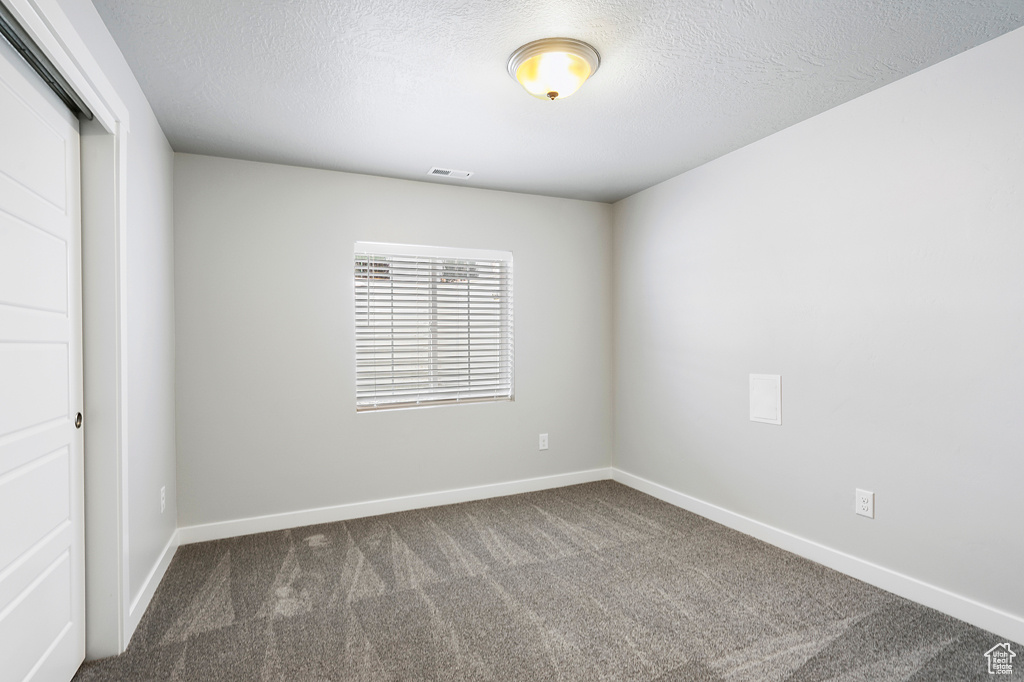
(590, 582)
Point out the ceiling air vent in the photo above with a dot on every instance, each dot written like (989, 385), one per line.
(449, 173)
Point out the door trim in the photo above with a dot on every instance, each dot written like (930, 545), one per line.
(104, 269)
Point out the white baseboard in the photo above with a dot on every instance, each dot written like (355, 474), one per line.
(141, 602)
(344, 512)
(966, 609)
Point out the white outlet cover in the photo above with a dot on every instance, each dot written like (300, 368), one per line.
(543, 442)
(766, 398)
(864, 503)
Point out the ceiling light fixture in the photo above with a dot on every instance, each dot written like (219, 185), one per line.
(553, 68)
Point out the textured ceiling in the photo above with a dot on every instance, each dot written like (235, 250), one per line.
(393, 87)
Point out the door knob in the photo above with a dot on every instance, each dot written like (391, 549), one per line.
(78, 421)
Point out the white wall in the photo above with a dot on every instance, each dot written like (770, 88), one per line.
(874, 257)
(265, 333)
(150, 319)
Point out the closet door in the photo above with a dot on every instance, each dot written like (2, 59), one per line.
(42, 601)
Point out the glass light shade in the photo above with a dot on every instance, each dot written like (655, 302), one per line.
(553, 75)
(553, 68)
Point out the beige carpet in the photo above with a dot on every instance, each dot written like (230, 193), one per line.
(589, 582)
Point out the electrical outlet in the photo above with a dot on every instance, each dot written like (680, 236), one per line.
(163, 499)
(543, 442)
(865, 503)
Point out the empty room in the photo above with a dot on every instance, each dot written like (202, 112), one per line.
(675, 341)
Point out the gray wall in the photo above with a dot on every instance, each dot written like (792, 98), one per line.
(265, 333)
(874, 257)
(150, 318)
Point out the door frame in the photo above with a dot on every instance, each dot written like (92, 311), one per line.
(109, 622)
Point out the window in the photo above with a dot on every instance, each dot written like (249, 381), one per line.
(433, 326)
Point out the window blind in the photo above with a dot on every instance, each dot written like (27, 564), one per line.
(433, 326)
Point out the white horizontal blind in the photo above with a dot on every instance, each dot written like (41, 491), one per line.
(433, 326)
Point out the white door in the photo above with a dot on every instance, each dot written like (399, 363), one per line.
(42, 601)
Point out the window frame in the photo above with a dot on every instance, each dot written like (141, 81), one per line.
(443, 378)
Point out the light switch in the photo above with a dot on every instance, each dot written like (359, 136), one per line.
(766, 398)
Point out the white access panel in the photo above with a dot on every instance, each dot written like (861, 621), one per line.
(42, 602)
(766, 398)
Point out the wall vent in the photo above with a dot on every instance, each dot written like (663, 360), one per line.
(449, 173)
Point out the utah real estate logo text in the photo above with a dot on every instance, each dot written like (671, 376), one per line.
(1000, 659)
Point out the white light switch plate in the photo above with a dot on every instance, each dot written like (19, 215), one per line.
(766, 398)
